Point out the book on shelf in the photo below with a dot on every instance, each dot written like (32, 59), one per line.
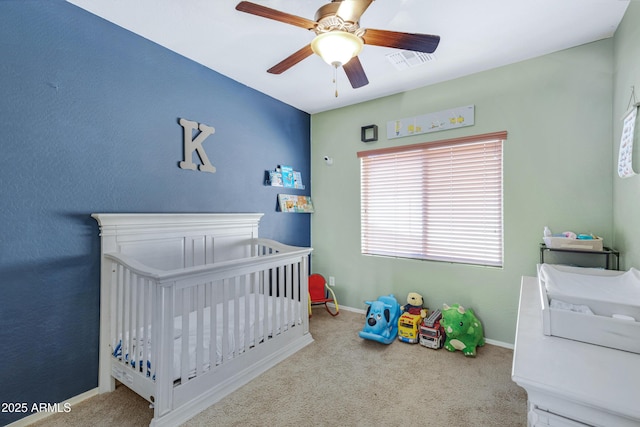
(295, 204)
(275, 179)
(284, 176)
(297, 180)
(287, 176)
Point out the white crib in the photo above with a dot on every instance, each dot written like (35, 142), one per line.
(193, 306)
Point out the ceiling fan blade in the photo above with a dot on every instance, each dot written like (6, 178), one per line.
(426, 43)
(352, 10)
(291, 60)
(355, 73)
(276, 15)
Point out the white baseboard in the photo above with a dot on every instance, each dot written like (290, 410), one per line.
(38, 416)
(487, 340)
(354, 310)
(499, 343)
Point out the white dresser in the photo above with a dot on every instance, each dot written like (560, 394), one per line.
(571, 383)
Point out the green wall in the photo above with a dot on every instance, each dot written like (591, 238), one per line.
(626, 192)
(558, 171)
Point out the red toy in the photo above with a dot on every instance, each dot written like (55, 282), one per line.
(431, 333)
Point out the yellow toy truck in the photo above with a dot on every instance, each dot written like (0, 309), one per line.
(409, 327)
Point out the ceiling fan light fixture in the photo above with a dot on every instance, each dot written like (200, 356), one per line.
(337, 47)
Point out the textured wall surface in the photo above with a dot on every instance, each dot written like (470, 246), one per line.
(90, 123)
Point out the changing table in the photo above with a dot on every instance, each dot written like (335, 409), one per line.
(571, 383)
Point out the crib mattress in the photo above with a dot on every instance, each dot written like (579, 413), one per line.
(611, 297)
(284, 315)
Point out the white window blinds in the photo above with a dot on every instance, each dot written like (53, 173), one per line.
(437, 201)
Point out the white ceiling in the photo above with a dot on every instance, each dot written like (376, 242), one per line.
(475, 36)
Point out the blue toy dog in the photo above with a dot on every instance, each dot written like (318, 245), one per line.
(382, 320)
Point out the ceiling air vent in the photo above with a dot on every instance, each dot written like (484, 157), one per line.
(408, 59)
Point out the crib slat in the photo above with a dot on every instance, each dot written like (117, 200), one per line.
(125, 310)
(119, 314)
(247, 311)
(281, 294)
(289, 291)
(225, 320)
(200, 332)
(266, 308)
(274, 295)
(113, 324)
(255, 278)
(133, 335)
(126, 336)
(186, 336)
(296, 294)
(213, 321)
(139, 324)
(288, 303)
(152, 348)
(304, 283)
(164, 314)
(236, 316)
(145, 321)
(133, 332)
(259, 302)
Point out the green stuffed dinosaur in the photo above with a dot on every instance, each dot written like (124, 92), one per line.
(464, 330)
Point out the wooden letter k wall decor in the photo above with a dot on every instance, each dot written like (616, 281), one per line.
(191, 145)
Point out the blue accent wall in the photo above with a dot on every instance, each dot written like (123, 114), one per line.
(89, 123)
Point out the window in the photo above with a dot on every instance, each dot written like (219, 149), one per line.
(435, 201)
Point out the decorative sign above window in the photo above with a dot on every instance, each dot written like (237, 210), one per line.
(191, 145)
(432, 122)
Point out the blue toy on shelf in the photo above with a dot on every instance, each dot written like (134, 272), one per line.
(382, 320)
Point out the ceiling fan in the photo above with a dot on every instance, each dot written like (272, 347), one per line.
(339, 38)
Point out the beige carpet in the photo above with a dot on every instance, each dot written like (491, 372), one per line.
(343, 380)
